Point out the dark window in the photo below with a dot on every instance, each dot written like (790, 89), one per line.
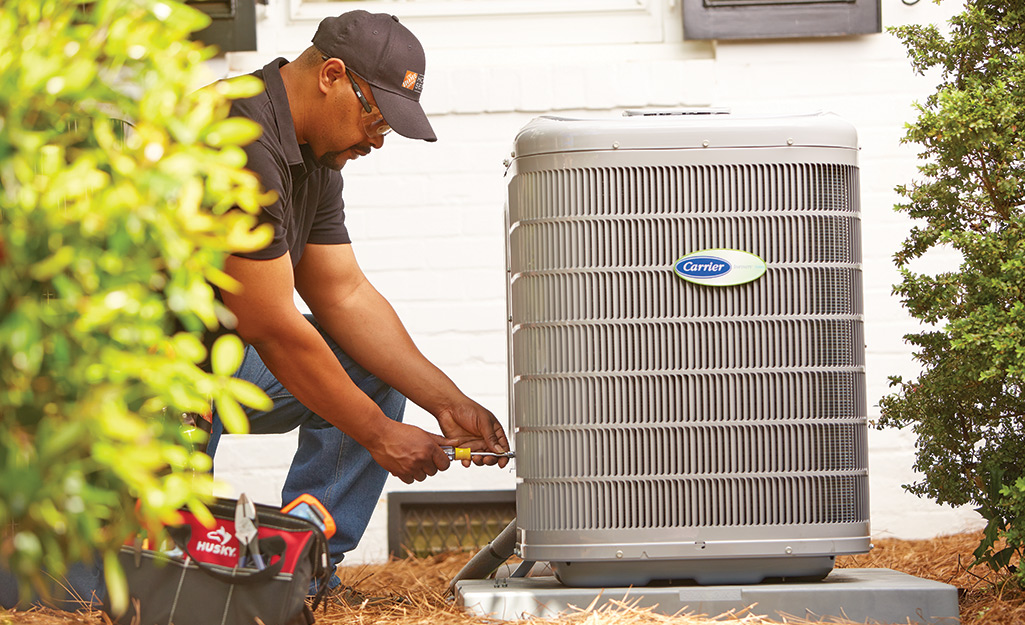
(749, 19)
(233, 25)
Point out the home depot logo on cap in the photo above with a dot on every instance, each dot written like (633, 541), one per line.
(414, 81)
(384, 53)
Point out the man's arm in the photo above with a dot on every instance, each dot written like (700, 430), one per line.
(297, 355)
(365, 325)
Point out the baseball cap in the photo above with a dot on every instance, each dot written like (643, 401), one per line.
(384, 53)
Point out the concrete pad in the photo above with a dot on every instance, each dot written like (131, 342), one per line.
(874, 596)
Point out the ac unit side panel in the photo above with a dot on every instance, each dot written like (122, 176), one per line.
(644, 242)
(692, 450)
(685, 345)
(667, 502)
(616, 399)
(653, 293)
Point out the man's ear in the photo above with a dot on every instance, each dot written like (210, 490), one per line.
(331, 71)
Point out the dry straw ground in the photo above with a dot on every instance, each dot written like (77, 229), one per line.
(985, 598)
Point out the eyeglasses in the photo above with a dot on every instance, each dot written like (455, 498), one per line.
(359, 93)
(373, 123)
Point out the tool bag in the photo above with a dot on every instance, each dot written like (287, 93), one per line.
(199, 582)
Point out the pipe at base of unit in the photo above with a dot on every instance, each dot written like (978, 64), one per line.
(489, 558)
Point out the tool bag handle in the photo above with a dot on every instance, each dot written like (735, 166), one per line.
(275, 546)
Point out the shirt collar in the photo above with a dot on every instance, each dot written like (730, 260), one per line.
(282, 112)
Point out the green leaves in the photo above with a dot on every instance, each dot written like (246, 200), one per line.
(967, 405)
(232, 131)
(122, 190)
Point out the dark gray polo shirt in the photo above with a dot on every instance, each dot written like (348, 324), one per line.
(309, 207)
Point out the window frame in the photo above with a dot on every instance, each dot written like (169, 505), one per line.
(758, 19)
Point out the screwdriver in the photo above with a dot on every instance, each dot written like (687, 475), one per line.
(464, 453)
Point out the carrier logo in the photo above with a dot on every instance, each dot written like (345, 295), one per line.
(702, 267)
(720, 267)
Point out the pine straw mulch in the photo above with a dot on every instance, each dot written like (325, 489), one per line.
(985, 599)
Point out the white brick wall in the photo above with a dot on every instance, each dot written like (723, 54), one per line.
(427, 219)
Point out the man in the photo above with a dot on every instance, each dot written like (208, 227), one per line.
(340, 374)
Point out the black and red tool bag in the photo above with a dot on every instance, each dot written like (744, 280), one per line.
(198, 580)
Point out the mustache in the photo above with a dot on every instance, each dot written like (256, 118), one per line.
(330, 159)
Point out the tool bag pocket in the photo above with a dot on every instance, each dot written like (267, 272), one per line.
(199, 582)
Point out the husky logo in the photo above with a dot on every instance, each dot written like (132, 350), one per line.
(217, 543)
(221, 535)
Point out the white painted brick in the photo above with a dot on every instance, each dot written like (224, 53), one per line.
(681, 83)
(484, 284)
(897, 513)
(566, 90)
(400, 222)
(897, 14)
(409, 285)
(470, 90)
(438, 94)
(466, 253)
(472, 317)
(484, 348)
(380, 254)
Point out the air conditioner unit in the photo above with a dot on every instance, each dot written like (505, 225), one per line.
(686, 347)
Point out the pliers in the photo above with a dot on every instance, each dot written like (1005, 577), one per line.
(246, 532)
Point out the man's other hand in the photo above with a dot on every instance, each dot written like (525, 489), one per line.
(471, 425)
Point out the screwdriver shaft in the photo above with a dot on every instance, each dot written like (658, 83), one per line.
(464, 453)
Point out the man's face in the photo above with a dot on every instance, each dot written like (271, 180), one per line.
(353, 127)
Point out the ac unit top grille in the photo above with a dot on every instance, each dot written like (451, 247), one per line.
(685, 190)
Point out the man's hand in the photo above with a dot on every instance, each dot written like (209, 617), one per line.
(471, 425)
(409, 453)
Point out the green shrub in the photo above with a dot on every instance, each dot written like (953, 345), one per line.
(967, 406)
(111, 235)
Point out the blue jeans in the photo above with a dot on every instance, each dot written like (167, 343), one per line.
(328, 464)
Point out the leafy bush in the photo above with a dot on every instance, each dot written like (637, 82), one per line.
(967, 406)
(111, 234)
